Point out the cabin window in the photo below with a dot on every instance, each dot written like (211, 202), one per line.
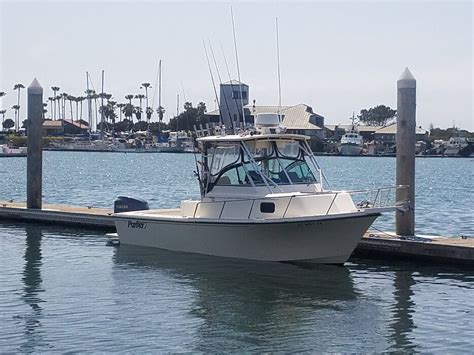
(290, 149)
(222, 156)
(267, 207)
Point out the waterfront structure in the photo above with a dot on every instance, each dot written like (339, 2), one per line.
(387, 136)
(262, 198)
(62, 127)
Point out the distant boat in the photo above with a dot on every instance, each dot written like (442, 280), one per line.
(455, 145)
(352, 142)
(6, 151)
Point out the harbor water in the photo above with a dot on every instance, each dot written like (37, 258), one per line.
(62, 289)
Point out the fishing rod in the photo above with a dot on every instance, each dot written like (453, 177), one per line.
(238, 68)
(212, 78)
(220, 82)
(230, 79)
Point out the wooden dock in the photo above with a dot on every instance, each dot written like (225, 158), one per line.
(375, 244)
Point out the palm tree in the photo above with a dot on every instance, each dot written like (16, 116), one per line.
(63, 98)
(71, 99)
(160, 110)
(140, 97)
(138, 113)
(146, 86)
(80, 99)
(129, 98)
(111, 105)
(128, 112)
(89, 94)
(55, 90)
(120, 106)
(51, 99)
(18, 87)
(45, 104)
(3, 112)
(16, 108)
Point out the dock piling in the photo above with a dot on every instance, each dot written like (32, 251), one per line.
(406, 140)
(34, 169)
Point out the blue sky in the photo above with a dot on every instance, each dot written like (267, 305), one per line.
(335, 56)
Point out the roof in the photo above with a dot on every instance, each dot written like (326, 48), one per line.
(52, 124)
(249, 137)
(294, 117)
(347, 127)
(234, 82)
(392, 129)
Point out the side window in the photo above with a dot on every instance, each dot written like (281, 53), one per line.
(234, 176)
(299, 172)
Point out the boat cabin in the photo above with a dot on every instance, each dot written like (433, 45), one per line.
(257, 164)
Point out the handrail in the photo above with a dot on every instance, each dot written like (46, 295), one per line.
(366, 203)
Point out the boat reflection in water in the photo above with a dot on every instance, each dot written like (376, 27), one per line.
(245, 299)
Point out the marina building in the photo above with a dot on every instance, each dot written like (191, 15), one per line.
(53, 128)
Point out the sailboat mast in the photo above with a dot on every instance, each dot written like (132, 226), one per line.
(89, 109)
(102, 108)
(160, 113)
(177, 111)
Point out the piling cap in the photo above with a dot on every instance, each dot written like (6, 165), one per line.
(406, 80)
(35, 87)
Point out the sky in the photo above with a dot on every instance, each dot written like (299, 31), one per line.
(337, 57)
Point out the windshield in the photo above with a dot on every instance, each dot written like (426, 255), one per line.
(269, 162)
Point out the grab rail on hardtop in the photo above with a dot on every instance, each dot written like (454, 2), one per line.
(377, 203)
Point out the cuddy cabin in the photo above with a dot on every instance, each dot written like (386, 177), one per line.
(264, 174)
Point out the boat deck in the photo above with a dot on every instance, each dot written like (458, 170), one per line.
(374, 244)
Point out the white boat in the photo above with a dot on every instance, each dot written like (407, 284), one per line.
(262, 198)
(455, 145)
(6, 151)
(351, 144)
(81, 145)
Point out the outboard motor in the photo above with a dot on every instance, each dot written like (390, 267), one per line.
(127, 204)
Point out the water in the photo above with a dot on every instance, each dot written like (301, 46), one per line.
(62, 289)
(444, 191)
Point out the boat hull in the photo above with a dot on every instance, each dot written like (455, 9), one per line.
(350, 149)
(329, 240)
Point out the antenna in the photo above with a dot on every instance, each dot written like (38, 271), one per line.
(230, 80)
(278, 67)
(237, 62)
(220, 82)
(212, 77)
